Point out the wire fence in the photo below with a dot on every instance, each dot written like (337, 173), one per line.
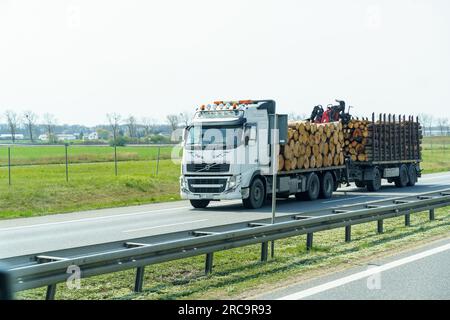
(16, 157)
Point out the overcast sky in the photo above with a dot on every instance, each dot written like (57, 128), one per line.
(80, 59)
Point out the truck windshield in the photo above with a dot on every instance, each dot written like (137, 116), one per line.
(211, 137)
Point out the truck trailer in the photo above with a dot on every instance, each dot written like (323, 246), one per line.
(234, 150)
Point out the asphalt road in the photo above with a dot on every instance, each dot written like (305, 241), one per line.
(61, 231)
(423, 274)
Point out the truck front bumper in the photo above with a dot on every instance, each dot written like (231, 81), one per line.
(231, 192)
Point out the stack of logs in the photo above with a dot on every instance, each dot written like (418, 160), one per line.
(356, 134)
(312, 145)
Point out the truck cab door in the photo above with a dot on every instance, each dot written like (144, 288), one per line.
(251, 144)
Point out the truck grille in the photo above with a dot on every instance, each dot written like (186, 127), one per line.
(207, 185)
(208, 167)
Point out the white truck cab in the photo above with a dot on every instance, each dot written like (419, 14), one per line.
(227, 152)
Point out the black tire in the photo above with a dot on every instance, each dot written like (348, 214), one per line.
(257, 195)
(412, 175)
(313, 187)
(402, 180)
(360, 184)
(200, 204)
(326, 186)
(375, 184)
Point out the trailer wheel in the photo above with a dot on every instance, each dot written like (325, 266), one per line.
(412, 174)
(375, 184)
(326, 186)
(313, 187)
(257, 195)
(200, 204)
(402, 180)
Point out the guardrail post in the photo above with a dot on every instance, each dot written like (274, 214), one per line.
(209, 263)
(407, 220)
(139, 279)
(67, 162)
(432, 215)
(51, 292)
(6, 292)
(348, 233)
(264, 251)
(380, 226)
(309, 241)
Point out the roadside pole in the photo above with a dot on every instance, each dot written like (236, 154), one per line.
(115, 159)
(67, 162)
(9, 165)
(157, 160)
(274, 176)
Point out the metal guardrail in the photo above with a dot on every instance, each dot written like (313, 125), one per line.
(50, 268)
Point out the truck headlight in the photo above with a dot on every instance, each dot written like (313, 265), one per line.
(233, 182)
(182, 183)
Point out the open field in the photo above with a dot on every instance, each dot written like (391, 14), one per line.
(32, 155)
(239, 274)
(42, 189)
(434, 143)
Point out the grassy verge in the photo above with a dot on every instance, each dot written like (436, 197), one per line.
(40, 190)
(43, 155)
(238, 274)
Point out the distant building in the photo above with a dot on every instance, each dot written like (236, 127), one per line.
(66, 137)
(8, 136)
(43, 137)
(92, 136)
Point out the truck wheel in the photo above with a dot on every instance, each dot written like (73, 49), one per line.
(257, 195)
(412, 175)
(313, 187)
(326, 186)
(200, 204)
(402, 180)
(360, 184)
(375, 184)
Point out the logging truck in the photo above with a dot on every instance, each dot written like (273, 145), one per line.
(238, 149)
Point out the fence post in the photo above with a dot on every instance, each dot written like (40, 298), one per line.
(115, 159)
(9, 165)
(157, 160)
(264, 251)
(51, 292)
(67, 162)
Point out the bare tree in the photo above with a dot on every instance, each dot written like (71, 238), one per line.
(12, 119)
(427, 122)
(185, 118)
(30, 119)
(131, 125)
(49, 121)
(442, 123)
(148, 125)
(296, 117)
(173, 121)
(114, 123)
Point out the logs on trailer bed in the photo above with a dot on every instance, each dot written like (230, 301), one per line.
(312, 145)
(392, 138)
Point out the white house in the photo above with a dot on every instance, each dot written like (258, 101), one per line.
(92, 136)
(43, 137)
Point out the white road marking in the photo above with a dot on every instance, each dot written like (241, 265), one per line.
(361, 275)
(164, 225)
(91, 219)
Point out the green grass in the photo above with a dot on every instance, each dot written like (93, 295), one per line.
(26, 155)
(239, 274)
(40, 190)
(433, 143)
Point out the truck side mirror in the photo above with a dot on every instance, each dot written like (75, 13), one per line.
(246, 140)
